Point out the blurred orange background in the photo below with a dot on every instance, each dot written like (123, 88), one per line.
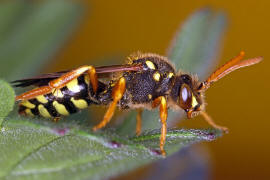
(239, 101)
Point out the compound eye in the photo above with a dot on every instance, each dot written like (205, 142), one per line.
(185, 96)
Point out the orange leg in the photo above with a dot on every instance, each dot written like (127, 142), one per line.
(33, 93)
(212, 123)
(139, 122)
(61, 82)
(163, 118)
(117, 93)
(156, 102)
(56, 119)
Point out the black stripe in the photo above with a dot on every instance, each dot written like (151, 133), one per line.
(34, 101)
(85, 90)
(22, 109)
(35, 110)
(82, 94)
(70, 107)
(88, 91)
(49, 106)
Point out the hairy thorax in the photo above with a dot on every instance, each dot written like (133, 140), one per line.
(144, 86)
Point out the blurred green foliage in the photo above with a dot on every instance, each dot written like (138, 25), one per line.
(7, 97)
(30, 32)
(196, 45)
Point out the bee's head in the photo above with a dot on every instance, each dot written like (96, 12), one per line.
(188, 92)
(189, 97)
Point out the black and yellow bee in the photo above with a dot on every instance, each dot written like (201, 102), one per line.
(145, 82)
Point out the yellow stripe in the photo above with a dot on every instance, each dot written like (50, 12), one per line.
(29, 112)
(27, 104)
(80, 103)
(42, 99)
(86, 79)
(43, 111)
(60, 108)
(170, 75)
(73, 86)
(57, 93)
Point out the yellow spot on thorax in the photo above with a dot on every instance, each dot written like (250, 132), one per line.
(42, 99)
(80, 103)
(156, 76)
(149, 96)
(170, 75)
(194, 101)
(43, 111)
(27, 104)
(150, 64)
(29, 112)
(60, 108)
(73, 85)
(57, 93)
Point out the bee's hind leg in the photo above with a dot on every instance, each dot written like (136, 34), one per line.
(60, 82)
(56, 119)
(69, 76)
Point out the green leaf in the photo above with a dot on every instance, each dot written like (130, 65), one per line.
(7, 97)
(33, 32)
(43, 152)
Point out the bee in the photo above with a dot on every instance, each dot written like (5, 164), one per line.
(146, 81)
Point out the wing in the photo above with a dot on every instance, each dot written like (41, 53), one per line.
(44, 79)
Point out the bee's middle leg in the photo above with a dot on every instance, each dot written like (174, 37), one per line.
(117, 93)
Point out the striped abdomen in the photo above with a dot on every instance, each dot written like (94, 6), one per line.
(60, 102)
